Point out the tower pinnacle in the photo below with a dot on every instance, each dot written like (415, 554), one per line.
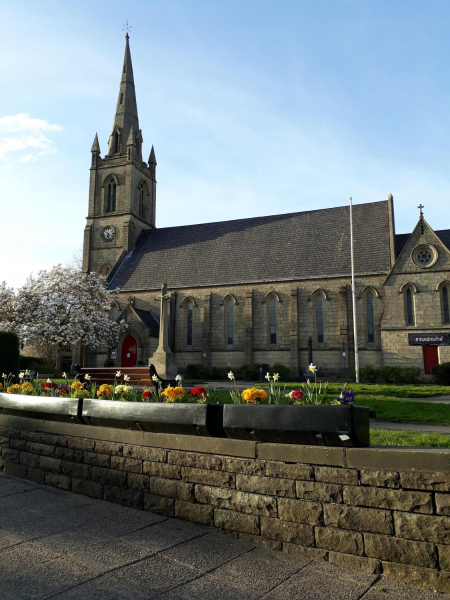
(126, 115)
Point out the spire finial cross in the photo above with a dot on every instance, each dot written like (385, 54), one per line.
(421, 211)
(127, 28)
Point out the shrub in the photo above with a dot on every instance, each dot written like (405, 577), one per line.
(390, 374)
(442, 373)
(410, 374)
(247, 372)
(9, 353)
(369, 373)
(282, 371)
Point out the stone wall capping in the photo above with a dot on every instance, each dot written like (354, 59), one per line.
(399, 459)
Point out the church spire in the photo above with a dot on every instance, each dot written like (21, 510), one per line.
(126, 115)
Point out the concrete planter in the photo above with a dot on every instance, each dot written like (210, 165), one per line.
(67, 410)
(317, 425)
(158, 417)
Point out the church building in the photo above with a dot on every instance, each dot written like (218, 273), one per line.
(260, 290)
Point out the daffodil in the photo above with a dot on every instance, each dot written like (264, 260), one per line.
(27, 372)
(49, 380)
(21, 375)
(312, 368)
(178, 378)
(155, 378)
(64, 375)
(267, 376)
(3, 376)
(87, 377)
(276, 377)
(118, 374)
(231, 375)
(126, 378)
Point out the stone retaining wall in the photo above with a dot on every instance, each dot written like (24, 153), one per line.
(375, 510)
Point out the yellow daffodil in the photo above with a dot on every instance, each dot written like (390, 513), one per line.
(231, 375)
(118, 374)
(312, 368)
(276, 377)
(49, 380)
(268, 376)
(87, 377)
(126, 378)
(154, 378)
(21, 375)
(64, 375)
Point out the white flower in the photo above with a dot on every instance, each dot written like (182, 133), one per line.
(3, 376)
(49, 380)
(87, 377)
(231, 375)
(27, 372)
(312, 368)
(267, 376)
(21, 375)
(64, 375)
(126, 378)
(118, 374)
(155, 378)
(178, 378)
(276, 377)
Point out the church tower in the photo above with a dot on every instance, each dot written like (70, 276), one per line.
(122, 190)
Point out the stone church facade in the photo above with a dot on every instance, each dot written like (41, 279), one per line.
(259, 290)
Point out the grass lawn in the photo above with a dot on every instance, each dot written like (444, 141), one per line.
(383, 437)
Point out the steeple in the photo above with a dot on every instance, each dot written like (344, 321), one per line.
(126, 115)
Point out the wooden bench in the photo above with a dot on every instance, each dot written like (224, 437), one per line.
(139, 376)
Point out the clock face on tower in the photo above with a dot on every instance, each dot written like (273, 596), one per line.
(108, 233)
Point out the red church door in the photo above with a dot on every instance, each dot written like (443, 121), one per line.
(430, 358)
(129, 352)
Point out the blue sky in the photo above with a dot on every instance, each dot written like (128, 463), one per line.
(254, 108)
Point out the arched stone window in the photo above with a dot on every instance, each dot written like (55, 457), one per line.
(370, 320)
(188, 304)
(318, 297)
(230, 317)
(189, 310)
(105, 270)
(273, 320)
(271, 300)
(409, 291)
(444, 292)
(114, 313)
(143, 195)
(110, 194)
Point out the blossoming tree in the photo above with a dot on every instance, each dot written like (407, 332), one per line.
(63, 306)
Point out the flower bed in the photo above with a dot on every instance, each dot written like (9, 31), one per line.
(301, 416)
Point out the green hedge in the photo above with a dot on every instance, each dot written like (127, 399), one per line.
(390, 374)
(442, 373)
(9, 353)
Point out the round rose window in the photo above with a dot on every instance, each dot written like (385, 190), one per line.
(424, 256)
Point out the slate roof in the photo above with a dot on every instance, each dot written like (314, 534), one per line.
(292, 246)
(402, 238)
(149, 320)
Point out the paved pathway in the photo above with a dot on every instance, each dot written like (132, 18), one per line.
(56, 544)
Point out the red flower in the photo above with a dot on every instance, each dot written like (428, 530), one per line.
(297, 394)
(64, 390)
(147, 394)
(49, 385)
(197, 392)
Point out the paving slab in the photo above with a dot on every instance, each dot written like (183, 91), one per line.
(80, 548)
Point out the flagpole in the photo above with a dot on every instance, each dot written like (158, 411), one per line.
(355, 326)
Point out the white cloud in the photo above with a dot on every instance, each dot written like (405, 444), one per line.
(24, 122)
(29, 136)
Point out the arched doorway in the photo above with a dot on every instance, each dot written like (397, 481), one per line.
(129, 351)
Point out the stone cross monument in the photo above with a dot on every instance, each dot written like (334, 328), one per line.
(164, 359)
